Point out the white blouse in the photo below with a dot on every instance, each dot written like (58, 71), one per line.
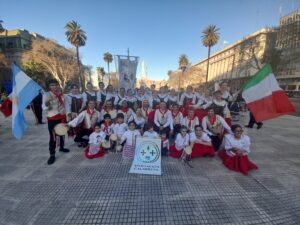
(140, 121)
(181, 142)
(204, 137)
(243, 144)
(119, 129)
(130, 136)
(97, 138)
(152, 134)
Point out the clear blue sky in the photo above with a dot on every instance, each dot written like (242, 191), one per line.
(156, 30)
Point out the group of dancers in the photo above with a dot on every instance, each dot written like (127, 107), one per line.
(106, 120)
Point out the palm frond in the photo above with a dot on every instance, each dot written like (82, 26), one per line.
(210, 36)
(75, 35)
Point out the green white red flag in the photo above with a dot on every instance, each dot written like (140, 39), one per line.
(264, 98)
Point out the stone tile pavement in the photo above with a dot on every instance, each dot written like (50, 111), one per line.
(76, 190)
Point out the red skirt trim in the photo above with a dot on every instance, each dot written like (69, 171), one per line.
(151, 117)
(200, 150)
(98, 155)
(174, 152)
(237, 163)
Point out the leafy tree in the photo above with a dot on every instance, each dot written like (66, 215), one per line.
(56, 60)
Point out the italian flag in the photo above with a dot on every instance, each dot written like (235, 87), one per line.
(264, 98)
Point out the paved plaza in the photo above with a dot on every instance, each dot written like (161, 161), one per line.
(76, 190)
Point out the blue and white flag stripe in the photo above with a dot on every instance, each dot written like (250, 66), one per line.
(24, 91)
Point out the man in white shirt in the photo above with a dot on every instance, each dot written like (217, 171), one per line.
(163, 120)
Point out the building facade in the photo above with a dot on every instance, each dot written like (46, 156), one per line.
(13, 43)
(239, 61)
(288, 42)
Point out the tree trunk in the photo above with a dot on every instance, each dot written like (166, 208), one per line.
(79, 70)
(207, 68)
(108, 72)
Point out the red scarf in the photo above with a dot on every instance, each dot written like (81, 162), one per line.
(59, 97)
(106, 126)
(146, 111)
(163, 139)
(190, 121)
(163, 113)
(212, 120)
(90, 113)
(107, 110)
(124, 110)
(175, 115)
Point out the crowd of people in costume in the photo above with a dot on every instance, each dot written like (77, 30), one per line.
(108, 120)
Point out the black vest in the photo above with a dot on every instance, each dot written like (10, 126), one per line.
(90, 97)
(75, 104)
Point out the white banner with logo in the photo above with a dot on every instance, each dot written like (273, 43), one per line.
(147, 158)
(127, 68)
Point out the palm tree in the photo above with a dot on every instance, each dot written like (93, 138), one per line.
(77, 37)
(101, 72)
(107, 57)
(183, 63)
(210, 37)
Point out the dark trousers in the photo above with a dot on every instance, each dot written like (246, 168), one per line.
(176, 130)
(164, 151)
(252, 121)
(166, 129)
(82, 133)
(52, 141)
(216, 142)
(38, 111)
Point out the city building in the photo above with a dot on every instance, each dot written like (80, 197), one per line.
(13, 43)
(238, 62)
(288, 42)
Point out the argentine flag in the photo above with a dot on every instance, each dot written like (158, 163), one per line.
(24, 91)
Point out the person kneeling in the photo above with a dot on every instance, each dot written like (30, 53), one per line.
(89, 117)
(94, 149)
(181, 141)
(201, 143)
(237, 148)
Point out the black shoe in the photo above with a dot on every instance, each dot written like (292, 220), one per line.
(259, 125)
(248, 126)
(79, 144)
(83, 145)
(51, 160)
(65, 150)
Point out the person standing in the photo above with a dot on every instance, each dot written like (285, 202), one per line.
(55, 104)
(253, 121)
(37, 108)
(88, 95)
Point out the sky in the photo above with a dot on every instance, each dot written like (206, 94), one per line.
(158, 31)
